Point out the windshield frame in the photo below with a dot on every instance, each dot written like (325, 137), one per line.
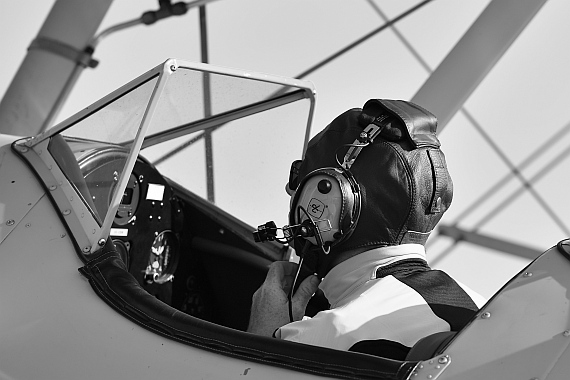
(91, 232)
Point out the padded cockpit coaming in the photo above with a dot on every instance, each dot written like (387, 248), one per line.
(118, 288)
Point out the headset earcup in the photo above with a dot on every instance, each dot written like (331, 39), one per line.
(343, 210)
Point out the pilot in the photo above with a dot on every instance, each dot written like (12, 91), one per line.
(371, 188)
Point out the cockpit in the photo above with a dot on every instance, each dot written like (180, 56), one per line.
(159, 185)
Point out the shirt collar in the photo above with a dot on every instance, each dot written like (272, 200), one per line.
(352, 273)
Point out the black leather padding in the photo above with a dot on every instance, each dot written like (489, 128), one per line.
(119, 289)
(431, 346)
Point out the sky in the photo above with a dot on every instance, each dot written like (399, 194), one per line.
(521, 106)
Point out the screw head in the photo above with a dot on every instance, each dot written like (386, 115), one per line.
(10, 222)
(443, 360)
(486, 315)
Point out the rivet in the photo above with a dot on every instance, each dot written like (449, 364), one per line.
(222, 231)
(62, 236)
(23, 149)
(429, 376)
(53, 187)
(101, 242)
(66, 212)
(443, 360)
(86, 249)
(141, 178)
(566, 333)
(486, 315)
(10, 222)
(28, 224)
(172, 67)
(527, 274)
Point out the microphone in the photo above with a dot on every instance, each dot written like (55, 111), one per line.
(265, 232)
(268, 232)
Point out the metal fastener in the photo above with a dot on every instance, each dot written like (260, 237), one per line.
(486, 315)
(10, 222)
(53, 187)
(443, 360)
(66, 212)
(86, 249)
(101, 242)
(566, 333)
(527, 274)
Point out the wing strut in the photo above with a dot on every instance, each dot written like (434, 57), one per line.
(461, 71)
(207, 107)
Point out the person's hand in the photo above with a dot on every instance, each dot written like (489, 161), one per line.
(270, 305)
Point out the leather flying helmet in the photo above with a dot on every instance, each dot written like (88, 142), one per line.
(387, 186)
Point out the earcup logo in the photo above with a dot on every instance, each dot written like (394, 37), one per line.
(316, 208)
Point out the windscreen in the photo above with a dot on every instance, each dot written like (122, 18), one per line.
(241, 165)
(93, 142)
(227, 136)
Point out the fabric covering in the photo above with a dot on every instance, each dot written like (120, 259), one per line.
(383, 301)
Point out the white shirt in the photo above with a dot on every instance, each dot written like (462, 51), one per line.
(364, 307)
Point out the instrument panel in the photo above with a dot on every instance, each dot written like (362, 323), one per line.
(147, 224)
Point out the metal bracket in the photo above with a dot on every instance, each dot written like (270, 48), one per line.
(430, 369)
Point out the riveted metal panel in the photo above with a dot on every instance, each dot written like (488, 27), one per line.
(524, 330)
(20, 191)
